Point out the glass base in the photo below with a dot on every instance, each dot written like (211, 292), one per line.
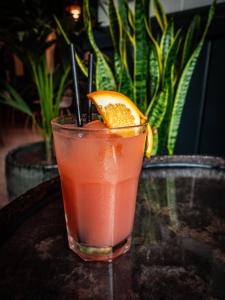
(99, 254)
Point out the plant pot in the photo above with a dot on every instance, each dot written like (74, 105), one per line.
(26, 167)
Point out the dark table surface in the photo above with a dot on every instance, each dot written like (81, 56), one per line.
(178, 248)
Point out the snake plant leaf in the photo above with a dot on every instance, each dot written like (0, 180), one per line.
(147, 22)
(154, 71)
(190, 39)
(163, 131)
(171, 57)
(155, 141)
(117, 68)
(104, 75)
(160, 14)
(147, 10)
(131, 18)
(113, 25)
(115, 31)
(126, 85)
(183, 87)
(140, 58)
(122, 74)
(167, 39)
(103, 80)
(158, 108)
(124, 17)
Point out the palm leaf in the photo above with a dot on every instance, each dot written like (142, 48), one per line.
(60, 91)
(14, 99)
(59, 25)
(183, 86)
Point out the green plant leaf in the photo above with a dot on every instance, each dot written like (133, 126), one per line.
(154, 72)
(150, 35)
(160, 14)
(190, 39)
(104, 75)
(126, 84)
(60, 91)
(163, 130)
(170, 60)
(158, 108)
(114, 25)
(124, 17)
(155, 141)
(140, 58)
(67, 40)
(183, 86)
(59, 25)
(14, 99)
(147, 10)
(122, 74)
(45, 88)
(131, 18)
(167, 39)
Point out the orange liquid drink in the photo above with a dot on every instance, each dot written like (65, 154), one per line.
(99, 169)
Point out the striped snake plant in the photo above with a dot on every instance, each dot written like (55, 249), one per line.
(154, 69)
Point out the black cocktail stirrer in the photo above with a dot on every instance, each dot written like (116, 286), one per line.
(90, 82)
(75, 85)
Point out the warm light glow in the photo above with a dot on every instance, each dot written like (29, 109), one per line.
(75, 11)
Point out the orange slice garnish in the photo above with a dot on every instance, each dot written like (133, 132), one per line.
(149, 142)
(117, 110)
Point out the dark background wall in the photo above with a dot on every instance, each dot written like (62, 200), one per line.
(202, 128)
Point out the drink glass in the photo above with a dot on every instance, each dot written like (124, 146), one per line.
(99, 171)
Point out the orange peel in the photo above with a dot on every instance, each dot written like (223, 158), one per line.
(117, 110)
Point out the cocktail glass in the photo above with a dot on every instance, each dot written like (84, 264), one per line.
(99, 171)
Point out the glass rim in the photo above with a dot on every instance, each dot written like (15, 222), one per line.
(56, 124)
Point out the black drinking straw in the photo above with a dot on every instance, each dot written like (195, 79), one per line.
(90, 81)
(75, 85)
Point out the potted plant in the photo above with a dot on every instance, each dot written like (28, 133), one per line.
(27, 38)
(152, 65)
(23, 174)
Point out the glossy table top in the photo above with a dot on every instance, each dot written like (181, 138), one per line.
(178, 248)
